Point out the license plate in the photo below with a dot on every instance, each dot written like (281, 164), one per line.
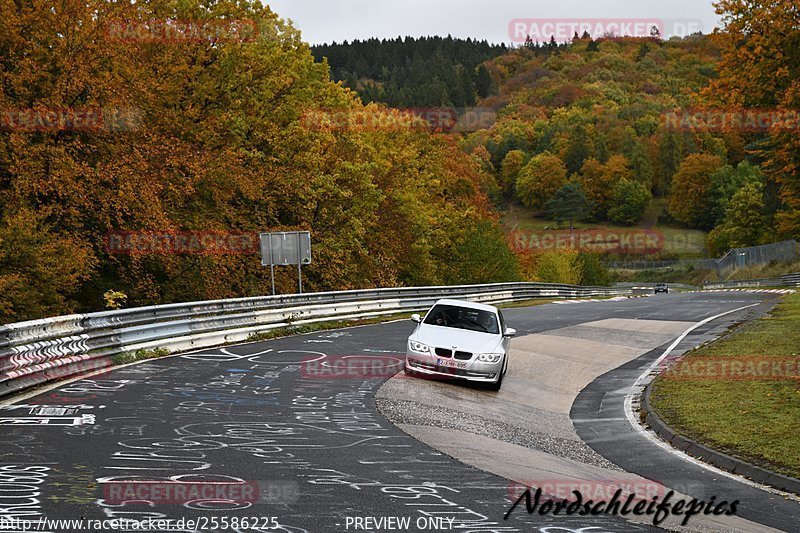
(450, 363)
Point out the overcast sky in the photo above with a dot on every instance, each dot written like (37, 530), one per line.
(336, 20)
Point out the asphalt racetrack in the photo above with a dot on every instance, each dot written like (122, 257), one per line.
(297, 447)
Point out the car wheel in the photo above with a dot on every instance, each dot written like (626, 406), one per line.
(496, 385)
(499, 383)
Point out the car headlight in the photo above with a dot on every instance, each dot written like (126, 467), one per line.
(489, 357)
(419, 347)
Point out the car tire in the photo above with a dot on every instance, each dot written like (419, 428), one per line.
(497, 384)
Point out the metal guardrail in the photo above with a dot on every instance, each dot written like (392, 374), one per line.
(789, 280)
(651, 285)
(50, 349)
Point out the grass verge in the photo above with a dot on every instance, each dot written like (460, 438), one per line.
(338, 324)
(753, 419)
(681, 243)
(139, 355)
(682, 274)
(322, 326)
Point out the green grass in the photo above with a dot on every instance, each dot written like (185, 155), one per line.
(322, 326)
(756, 420)
(695, 276)
(534, 303)
(679, 243)
(339, 324)
(772, 270)
(139, 355)
(682, 274)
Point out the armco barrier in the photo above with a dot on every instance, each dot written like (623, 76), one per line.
(789, 280)
(651, 285)
(39, 351)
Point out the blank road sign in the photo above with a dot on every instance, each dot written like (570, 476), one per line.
(286, 248)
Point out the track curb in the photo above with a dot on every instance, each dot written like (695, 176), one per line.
(714, 457)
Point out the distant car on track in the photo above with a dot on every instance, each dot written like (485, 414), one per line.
(460, 339)
(661, 287)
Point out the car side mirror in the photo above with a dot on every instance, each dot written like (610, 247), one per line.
(416, 318)
(510, 332)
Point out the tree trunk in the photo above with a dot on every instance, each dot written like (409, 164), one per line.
(571, 238)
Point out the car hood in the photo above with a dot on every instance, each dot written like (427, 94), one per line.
(463, 339)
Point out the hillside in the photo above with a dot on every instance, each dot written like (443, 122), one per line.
(613, 117)
(594, 100)
(593, 112)
(413, 72)
(618, 118)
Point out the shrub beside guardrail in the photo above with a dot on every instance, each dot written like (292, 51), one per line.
(40, 351)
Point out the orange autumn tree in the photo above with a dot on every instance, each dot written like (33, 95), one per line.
(691, 189)
(760, 70)
(211, 132)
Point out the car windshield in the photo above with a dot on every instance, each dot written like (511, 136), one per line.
(451, 316)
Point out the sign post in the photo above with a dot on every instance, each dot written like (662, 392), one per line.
(271, 270)
(299, 272)
(286, 248)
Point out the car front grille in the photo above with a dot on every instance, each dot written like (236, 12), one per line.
(444, 352)
(463, 356)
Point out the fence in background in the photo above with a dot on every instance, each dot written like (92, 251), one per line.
(39, 351)
(736, 258)
(708, 264)
(784, 251)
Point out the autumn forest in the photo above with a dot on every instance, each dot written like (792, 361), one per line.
(110, 125)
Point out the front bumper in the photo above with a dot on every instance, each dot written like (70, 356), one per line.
(471, 370)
